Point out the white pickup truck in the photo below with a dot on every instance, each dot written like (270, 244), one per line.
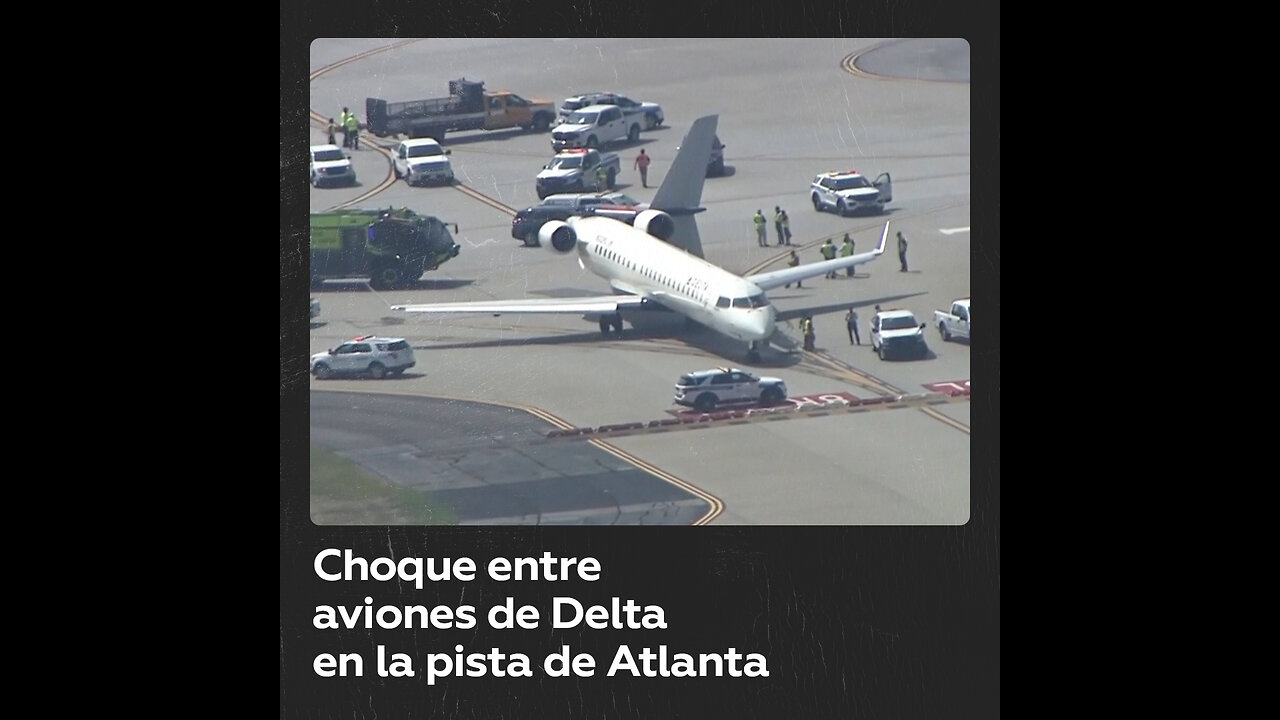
(953, 324)
(594, 126)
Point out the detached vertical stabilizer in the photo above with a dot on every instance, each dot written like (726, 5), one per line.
(680, 194)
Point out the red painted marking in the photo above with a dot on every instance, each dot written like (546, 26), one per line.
(744, 409)
(950, 387)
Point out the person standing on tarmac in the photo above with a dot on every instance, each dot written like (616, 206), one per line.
(845, 251)
(794, 261)
(602, 178)
(332, 129)
(762, 235)
(786, 228)
(828, 253)
(342, 125)
(851, 322)
(353, 130)
(806, 326)
(902, 251)
(777, 224)
(642, 164)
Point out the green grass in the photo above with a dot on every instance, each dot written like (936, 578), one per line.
(343, 493)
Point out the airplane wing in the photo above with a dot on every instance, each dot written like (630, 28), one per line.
(778, 278)
(602, 304)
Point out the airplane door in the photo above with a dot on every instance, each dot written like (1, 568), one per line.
(884, 184)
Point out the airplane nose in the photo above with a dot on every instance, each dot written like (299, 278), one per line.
(759, 325)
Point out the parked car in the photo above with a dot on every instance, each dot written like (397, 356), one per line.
(705, 389)
(368, 355)
(422, 161)
(527, 222)
(651, 113)
(330, 165)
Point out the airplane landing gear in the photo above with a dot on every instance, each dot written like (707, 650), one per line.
(607, 321)
(753, 355)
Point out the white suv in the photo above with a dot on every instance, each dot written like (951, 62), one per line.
(328, 164)
(364, 355)
(849, 191)
(704, 389)
(422, 161)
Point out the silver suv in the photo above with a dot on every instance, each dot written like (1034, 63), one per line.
(364, 355)
(705, 389)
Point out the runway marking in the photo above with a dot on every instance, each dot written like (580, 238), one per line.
(948, 386)
(953, 231)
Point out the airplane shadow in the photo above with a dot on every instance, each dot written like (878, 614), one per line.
(796, 313)
(352, 284)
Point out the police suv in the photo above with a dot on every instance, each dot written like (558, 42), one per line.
(705, 389)
(422, 161)
(369, 355)
(896, 334)
(650, 113)
(329, 165)
(848, 191)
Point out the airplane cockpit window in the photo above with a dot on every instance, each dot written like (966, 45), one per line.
(742, 302)
(759, 301)
(722, 302)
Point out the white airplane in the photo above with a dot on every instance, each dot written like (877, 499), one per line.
(656, 261)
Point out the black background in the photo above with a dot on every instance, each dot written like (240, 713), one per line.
(856, 622)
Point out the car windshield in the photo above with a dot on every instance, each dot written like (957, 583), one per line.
(582, 118)
(327, 155)
(850, 183)
(425, 150)
(898, 323)
(566, 162)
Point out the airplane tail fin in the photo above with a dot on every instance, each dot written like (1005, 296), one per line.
(681, 191)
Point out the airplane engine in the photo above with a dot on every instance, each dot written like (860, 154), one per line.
(656, 223)
(558, 235)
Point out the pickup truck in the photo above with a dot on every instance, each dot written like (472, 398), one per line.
(953, 324)
(593, 126)
(895, 334)
(575, 171)
(468, 106)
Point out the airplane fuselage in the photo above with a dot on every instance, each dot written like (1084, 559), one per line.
(636, 262)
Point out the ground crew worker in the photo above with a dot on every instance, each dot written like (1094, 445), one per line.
(845, 251)
(353, 131)
(642, 163)
(902, 251)
(602, 178)
(342, 125)
(762, 238)
(806, 326)
(332, 129)
(794, 261)
(828, 253)
(851, 322)
(786, 228)
(777, 223)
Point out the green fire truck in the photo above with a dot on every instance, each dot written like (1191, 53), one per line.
(388, 247)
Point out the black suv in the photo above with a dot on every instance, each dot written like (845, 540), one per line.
(526, 224)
